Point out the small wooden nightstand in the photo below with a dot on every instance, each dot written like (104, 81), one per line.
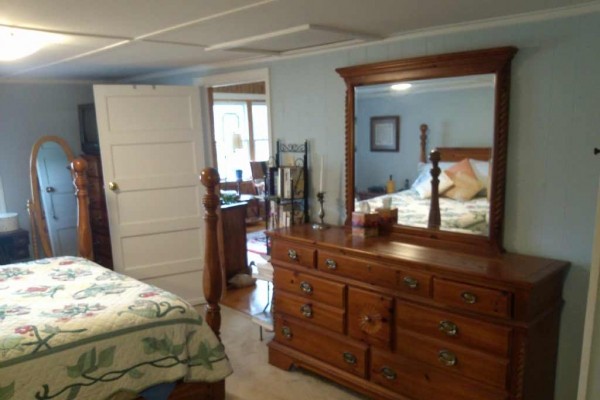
(14, 246)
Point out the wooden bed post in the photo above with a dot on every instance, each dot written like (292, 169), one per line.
(84, 231)
(212, 279)
(434, 209)
(423, 137)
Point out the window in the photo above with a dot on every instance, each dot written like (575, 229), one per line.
(241, 135)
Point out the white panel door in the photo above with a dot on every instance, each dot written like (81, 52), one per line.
(151, 145)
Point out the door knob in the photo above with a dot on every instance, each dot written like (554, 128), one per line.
(113, 186)
(50, 189)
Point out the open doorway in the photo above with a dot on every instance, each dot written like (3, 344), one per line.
(240, 143)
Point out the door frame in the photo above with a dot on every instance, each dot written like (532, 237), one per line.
(232, 78)
(591, 338)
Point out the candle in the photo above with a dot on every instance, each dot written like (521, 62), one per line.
(321, 180)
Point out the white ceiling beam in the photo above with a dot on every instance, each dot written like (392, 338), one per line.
(243, 43)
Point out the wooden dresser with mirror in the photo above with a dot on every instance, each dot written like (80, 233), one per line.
(423, 313)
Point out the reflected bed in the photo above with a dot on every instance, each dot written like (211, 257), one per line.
(464, 217)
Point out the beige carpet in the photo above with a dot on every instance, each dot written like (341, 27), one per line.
(255, 379)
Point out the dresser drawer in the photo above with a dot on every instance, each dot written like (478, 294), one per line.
(473, 298)
(472, 364)
(336, 350)
(310, 287)
(370, 317)
(453, 328)
(422, 382)
(310, 311)
(293, 253)
(405, 280)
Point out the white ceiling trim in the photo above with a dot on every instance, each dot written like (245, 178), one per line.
(203, 19)
(64, 60)
(243, 43)
(535, 16)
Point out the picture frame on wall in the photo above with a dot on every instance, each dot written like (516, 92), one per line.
(385, 133)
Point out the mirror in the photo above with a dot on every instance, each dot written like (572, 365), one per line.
(398, 111)
(53, 209)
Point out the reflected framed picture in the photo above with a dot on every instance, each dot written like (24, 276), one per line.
(385, 133)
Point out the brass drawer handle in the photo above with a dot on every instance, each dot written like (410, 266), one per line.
(306, 310)
(331, 264)
(286, 331)
(349, 358)
(468, 297)
(449, 328)
(410, 282)
(292, 254)
(306, 287)
(447, 358)
(388, 373)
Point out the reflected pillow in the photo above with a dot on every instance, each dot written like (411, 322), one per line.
(482, 172)
(424, 173)
(424, 188)
(466, 183)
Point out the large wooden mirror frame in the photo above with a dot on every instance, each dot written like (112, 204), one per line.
(495, 61)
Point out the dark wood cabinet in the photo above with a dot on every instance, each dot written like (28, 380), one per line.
(231, 234)
(14, 246)
(412, 322)
(98, 214)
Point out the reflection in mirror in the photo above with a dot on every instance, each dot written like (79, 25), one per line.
(54, 208)
(432, 113)
(436, 116)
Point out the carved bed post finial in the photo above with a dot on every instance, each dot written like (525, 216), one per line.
(213, 275)
(423, 137)
(434, 209)
(84, 231)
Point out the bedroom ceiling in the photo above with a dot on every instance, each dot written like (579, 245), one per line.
(116, 40)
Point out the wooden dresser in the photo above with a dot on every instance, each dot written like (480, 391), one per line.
(403, 321)
(98, 213)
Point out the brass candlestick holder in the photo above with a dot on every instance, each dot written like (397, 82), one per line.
(321, 225)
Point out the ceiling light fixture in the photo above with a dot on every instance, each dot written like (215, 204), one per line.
(19, 43)
(401, 86)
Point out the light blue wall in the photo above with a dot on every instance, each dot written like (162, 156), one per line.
(552, 175)
(28, 111)
(456, 118)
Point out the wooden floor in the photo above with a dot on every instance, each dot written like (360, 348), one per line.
(254, 299)
(249, 300)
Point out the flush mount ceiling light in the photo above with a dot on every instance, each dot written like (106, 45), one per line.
(401, 86)
(19, 43)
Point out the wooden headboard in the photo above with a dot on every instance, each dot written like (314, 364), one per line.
(445, 154)
(452, 154)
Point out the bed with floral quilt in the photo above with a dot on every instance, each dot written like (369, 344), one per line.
(71, 329)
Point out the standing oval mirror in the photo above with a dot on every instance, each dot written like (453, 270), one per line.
(54, 206)
(397, 112)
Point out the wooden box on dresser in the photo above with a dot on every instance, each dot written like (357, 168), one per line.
(98, 214)
(403, 321)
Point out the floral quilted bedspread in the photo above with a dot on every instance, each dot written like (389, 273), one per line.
(71, 329)
(465, 217)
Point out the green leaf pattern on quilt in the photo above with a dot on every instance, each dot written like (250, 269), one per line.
(168, 355)
(152, 309)
(7, 392)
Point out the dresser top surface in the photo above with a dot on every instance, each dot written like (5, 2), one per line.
(507, 267)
